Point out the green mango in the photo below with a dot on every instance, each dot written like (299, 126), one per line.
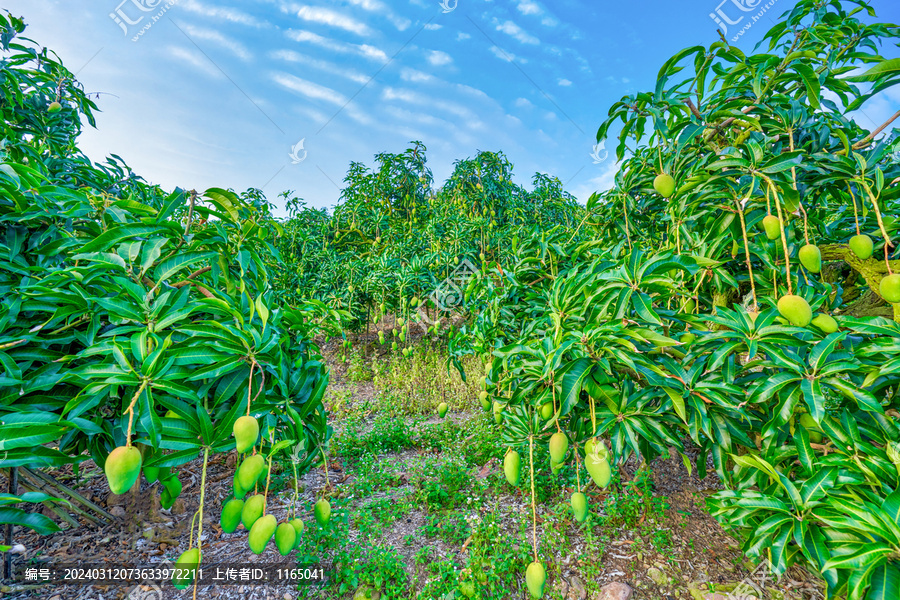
(862, 246)
(239, 490)
(261, 532)
(186, 568)
(498, 412)
(809, 423)
(772, 226)
(250, 470)
(825, 323)
(483, 398)
(442, 409)
(122, 468)
(297, 524)
(579, 506)
(322, 512)
(811, 258)
(795, 309)
(890, 288)
(285, 538)
(664, 184)
(546, 410)
(252, 510)
(535, 578)
(596, 461)
(246, 432)
(231, 515)
(559, 445)
(512, 467)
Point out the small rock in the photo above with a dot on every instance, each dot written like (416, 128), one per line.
(657, 576)
(117, 511)
(576, 590)
(614, 591)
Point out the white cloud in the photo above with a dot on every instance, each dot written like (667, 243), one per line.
(195, 59)
(438, 58)
(523, 103)
(413, 75)
(435, 105)
(507, 56)
(225, 14)
(565, 82)
(311, 90)
(460, 37)
(323, 65)
(336, 46)
(516, 32)
(529, 7)
(325, 16)
(433, 26)
(234, 46)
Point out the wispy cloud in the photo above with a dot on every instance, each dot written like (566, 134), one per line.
(529, 7)
(311, 90)
(507, 56)
(461, 37)
(565, 82)
(195, 59)
(224, 14)
(517, 33)
(438, 58)
(325, 16)
(414, 75)
(216, 37)
(322, 65)
(365, 50)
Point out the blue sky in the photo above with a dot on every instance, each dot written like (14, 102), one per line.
(218, 93)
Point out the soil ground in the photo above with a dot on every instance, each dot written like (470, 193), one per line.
(413, 508)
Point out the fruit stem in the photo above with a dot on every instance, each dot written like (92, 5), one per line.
(787, 259)
(577, 469)
(553, 390)
(325, 461)
(130, 411)
(747, 253)
(855, 213)
(250, 386)
(593, 416)
(887, 238)
(296, 491)
(790, 133)
(202, 495)
(533, 506)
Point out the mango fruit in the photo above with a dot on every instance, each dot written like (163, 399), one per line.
(546, 410)
(122, 468)
(579, 506)
(297, 524)
(285, 538)
(512, 467)
(862, 246)
(442, 409)
(772, 227)
(596, 461)
(239, 490)
(54, 107)
(795, 309)
(261, 532)
(811, 258)
(664, 185)
(322, 512)
(186, 568)
(555, 467)
(890, 288)
(687, 338)
(231, 515)
(252, 510)
(825, 323)
(559, 444)
(246, 432)
(535, 577)
(250, 470)
(498, 412)
(483, 398)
